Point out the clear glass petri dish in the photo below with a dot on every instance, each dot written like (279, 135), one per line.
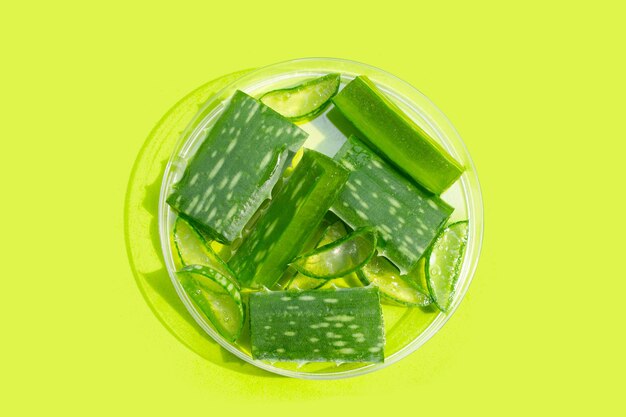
(406, 329)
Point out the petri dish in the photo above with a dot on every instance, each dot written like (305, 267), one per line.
(406, 329)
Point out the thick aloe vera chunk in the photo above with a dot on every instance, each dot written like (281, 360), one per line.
(407, 218)
(291, 219)
(317, 325)
(403, 143)
(235, 168)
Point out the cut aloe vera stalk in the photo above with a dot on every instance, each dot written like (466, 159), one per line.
(382, 274)
(216, 297)
(193, 249)
(304, 101)
(317, 325)
(290, 221)
(235, 168)
(403, 143)
(407, 218)
(443, 263)
(340, 257)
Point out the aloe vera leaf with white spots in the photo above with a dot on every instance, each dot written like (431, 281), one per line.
(317, 325)
(290, 221)
(393, 286)
(407, 218)
(235, 168)
(306, 100)
(340, 257)
(389, 130)
(216, 296)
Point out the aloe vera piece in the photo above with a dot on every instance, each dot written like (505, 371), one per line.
(393, 286)
(317, 325)
(290, 221)
(443, 263)
(391, 132)
(193, 249)
(407, 218)
(216, 297)
(304, 101)
(235, 168)
(340, 257)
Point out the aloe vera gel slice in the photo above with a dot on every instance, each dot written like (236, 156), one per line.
(443, 264)
(304, 101)
(235, 168)
(317, 326)
(403, 143)
(193, 249)
(382, 274)
(406, 218)
(340, 257)
(216, 297)
(291, 219)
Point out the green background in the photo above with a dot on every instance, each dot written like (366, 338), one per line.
(536, 89)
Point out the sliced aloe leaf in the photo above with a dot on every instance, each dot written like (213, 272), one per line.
(304, 101)
(290, 221)
(403, 143)
(235, 168)
(340, 257)
(406, 217)
(216, 297)
(317, 326)
(193, 249)
(384, 275)
(443, 263)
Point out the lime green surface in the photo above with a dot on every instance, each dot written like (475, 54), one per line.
(536, 89)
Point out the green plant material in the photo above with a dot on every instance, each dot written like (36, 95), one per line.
(392, 133)
(443, 264)
(235, 168)
(317, 325)
(216, 297)
(407, 218)
(394, 287)
(304, 101)
(291, 219)
(338, 258)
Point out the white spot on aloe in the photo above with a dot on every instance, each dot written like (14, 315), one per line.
(212, 214)
(292, 307)
(250, 115)
(350, 186)
(214, 153)
(306, 298)
(330, 300)
(285, 298)
(193, 203)
(279, 131)
(377, 164)
(267, 327)
(339, 343)
(362, 215)
(394, 202)
(280, 350)
(331, 335)
(216, 168)
(235, 180)
(222, 184)
(374, 349)
(313, 339)
(231, 212)
(289, 333)
(231, 145)
(194, 178)
(292, 323)
(346, 351)
(297, 189)
(266, 159)
(340, 317)
(353, 326)
(338, 325)
(348, 165)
